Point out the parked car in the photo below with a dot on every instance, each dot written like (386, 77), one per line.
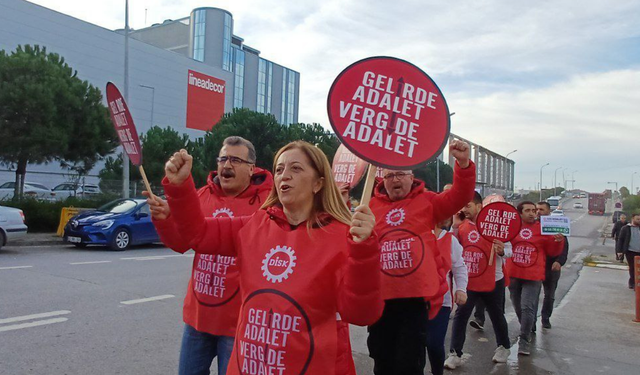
(557, 213)
(118, 224)
(578, 205)
(66, 190)
(12, 224)
(31, 190)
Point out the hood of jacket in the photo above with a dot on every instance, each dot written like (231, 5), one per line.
(261, 182)
(417, 188)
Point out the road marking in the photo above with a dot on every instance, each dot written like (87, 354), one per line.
(32, 324)
(150, 299)
(156, 257)
(578, 256)
(15, 267)
(96, 262)
(34, 316)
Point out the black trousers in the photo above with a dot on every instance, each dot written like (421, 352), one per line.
(549, 285)
(397, 341)
(630, 255)
(493, 302)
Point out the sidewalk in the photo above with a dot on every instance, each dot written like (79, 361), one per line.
(593, 328)
(37, 239)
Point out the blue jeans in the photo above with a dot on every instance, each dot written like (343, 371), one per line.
(436, 332)
(199, 349)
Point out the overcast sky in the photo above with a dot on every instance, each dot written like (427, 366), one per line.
(557, 80)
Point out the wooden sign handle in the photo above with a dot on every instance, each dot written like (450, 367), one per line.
(146, 181)
(368, 184)
(493, 251)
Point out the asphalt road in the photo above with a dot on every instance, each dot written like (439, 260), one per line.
(94, 311)
(82, 311)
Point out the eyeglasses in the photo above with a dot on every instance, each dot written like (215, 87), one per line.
(399, 175)
(234, 160)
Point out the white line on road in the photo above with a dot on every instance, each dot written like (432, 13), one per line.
(32, 324)
(578, 256)
(96, 262)
(15, 267)
(154, 257)
(34, 316)
(150, 299)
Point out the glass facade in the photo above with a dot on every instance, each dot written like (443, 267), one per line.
(238, 86)
(265, 78)
(287, 112)
(227, 57)
(199, 23)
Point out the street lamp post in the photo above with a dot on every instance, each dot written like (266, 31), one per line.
(613, 183)
(555, 181)
(573, 178)
(541, 180)
(125, 156)
(153, 99)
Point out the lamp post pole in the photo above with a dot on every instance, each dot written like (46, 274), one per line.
(125, 157)
(541, 180)
(555, 181)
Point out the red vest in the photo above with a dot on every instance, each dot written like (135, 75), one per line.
(530, 251)
(410, 261)
(444, 248)
(212, 301)
(408, 251)
(290, 280)
(476, 252)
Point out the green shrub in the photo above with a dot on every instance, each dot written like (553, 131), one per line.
(631, 204)
(44, 216)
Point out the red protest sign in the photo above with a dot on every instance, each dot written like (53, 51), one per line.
(347, 168)
(123, 123)
(389, 112)
(499, 221)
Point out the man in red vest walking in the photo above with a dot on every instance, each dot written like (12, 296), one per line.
(527, 270)
(212, 301)
(486, 284)
(413, 270)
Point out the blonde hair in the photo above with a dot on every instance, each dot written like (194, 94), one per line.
(328, 199)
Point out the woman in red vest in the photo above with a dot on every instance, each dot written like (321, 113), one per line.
(302, 259)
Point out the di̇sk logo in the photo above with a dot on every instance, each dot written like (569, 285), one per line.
(223, 212)
(526, 233)
(473, 236)
(278, 264)
(395, 217)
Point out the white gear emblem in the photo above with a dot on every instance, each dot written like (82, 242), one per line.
(274, 258)
(223, 212)
(473, 236)
(526, 233)
(395, 217)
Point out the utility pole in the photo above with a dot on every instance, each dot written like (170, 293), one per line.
(541, 180)
(125, 157)
(555, 181)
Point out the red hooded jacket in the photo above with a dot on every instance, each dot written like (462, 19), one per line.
(293, 282)
(530, 252)
(411, 263)
(212, 301)
(476, 253)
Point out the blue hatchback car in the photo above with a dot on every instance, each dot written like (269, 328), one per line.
(118, 224)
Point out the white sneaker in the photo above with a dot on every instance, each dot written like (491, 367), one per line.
(502, 354)
(453, 361)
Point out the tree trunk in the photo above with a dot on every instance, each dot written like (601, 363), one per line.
(21, 173)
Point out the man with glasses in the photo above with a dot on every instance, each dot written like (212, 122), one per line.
(412, 268)
(212, 302)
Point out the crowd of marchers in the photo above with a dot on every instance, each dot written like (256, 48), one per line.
(283, 265)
